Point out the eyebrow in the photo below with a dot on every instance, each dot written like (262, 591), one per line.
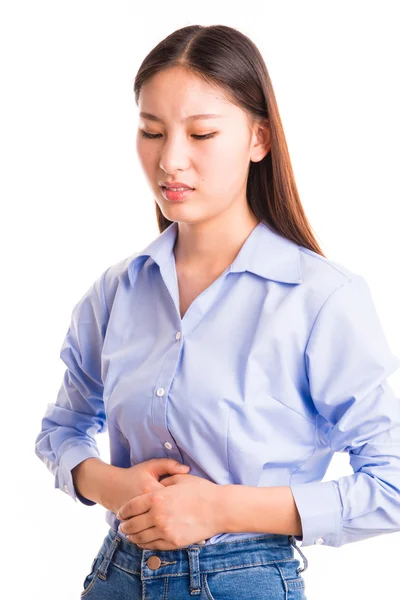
(151, 117)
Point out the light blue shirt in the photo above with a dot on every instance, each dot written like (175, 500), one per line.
(281, 362)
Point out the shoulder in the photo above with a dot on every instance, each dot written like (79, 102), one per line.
(120, 274)
(321, 276)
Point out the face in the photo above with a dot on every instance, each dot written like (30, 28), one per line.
(211, 155)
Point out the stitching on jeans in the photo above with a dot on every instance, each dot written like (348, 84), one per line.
(165, 597)
(258, 564)
(291, 583)
(268, 562)
(125, 568)
(108, 557)
(283, 581)
(230, 568)
(95, 574)
(207, 589)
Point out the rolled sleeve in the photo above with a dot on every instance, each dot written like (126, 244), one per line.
(348, 361)
(319, 508)
(70, 459)
(69, 426)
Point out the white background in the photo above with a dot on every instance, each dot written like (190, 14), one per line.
(75, 201)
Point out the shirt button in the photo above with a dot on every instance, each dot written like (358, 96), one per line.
(178, 335)
(319, 540)
(160, 392)
(66, 488)
(168, 445)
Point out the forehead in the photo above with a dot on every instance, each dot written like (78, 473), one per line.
(175, 94)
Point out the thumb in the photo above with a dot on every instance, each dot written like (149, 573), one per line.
(168, 465)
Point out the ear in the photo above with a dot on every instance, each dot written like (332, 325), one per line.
(261, 143)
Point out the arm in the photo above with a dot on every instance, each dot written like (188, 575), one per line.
(89, 477)
(69, 426)
(348, 361)
(258, 509)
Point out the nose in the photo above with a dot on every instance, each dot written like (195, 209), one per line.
(174, 155)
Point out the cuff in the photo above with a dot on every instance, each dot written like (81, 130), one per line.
(320, 511)
(69, 459)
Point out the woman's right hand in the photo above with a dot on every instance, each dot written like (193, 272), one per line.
(125, 484)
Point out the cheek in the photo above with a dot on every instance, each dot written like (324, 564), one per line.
(148, 163)
(214, 158)
(226, 167)
(145, 154)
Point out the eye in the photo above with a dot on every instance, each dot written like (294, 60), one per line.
(153, 136)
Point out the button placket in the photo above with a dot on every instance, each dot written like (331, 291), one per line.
(160, 398)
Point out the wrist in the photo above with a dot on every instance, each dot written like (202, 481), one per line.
(266, 509)
(109, 485)
(91, 479)
(225, 508)
(239, 507)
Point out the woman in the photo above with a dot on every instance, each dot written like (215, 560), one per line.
(231, 345)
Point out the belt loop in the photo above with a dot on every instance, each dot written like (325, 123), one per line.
(109, 554)
(292, 540)
(194, 570)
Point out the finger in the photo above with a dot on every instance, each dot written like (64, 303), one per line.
(136, 524)
(159, 544)
(135, 506)
(147, 536)
(160, 466)
(186, 479)
(171, 480)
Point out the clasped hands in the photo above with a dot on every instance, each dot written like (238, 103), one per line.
(185, 510)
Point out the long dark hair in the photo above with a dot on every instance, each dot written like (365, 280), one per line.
(225, 57)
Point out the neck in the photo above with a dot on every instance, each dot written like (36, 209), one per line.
(212, 244)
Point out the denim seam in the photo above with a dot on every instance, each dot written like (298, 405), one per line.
(91, 584)
(229, 568)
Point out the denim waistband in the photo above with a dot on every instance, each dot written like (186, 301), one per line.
(150, 563)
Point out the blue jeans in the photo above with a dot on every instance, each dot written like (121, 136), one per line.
(257, 568)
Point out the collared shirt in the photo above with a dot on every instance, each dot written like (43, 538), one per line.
(281, 362)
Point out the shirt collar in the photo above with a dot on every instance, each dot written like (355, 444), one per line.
(264, 252)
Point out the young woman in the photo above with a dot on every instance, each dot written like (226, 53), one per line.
(231, 345)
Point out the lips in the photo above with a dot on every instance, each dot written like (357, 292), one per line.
(175, 185)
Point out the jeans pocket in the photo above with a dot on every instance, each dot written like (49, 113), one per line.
(91, 578)
(292, 580)
(258, 582)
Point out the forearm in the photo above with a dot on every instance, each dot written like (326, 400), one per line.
(92, 478)
(259, 509)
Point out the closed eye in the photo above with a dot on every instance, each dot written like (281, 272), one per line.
(152, 136)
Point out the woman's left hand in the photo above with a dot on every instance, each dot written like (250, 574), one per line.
(186, 510)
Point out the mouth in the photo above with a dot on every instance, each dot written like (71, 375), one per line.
(176, 195)
(176, 189)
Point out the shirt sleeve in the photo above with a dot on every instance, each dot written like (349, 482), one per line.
(69, 426)
(348, 361)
